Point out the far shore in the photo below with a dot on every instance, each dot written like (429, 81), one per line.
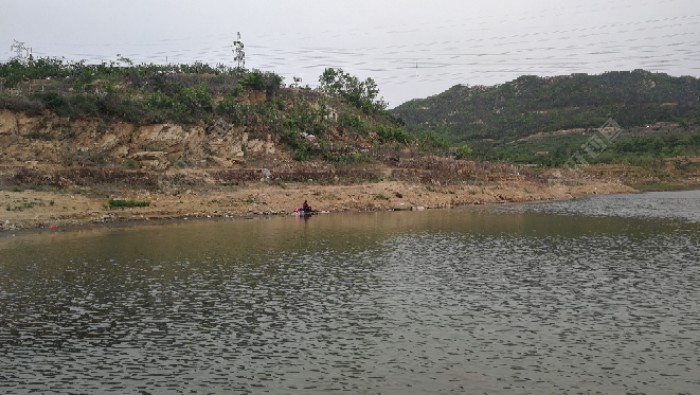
(39, 209)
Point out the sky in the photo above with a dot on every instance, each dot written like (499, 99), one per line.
(412, 49)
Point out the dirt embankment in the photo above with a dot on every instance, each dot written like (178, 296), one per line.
(37, 209)
(56, 172)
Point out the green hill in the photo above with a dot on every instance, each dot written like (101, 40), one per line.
(531, 104)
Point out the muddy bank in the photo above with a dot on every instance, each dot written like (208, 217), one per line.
(56, 209)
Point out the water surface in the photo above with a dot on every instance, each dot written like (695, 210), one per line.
(589, 296)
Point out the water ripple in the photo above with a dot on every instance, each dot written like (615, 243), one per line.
(438, 309)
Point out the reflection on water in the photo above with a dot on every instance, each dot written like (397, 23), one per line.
(460, 301)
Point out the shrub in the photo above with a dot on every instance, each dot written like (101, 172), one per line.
(434, 143)
(351, 122)
(232, 110)
(464, 152)
(254, 81)
(21, 104)
(39, 135)
(123, 108)
(270, 83)
(195, 99)
(388, 133)
(84, 105)
(54, 102)
(302, 153)
(121, 203)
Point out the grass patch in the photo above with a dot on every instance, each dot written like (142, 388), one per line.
(122, 203)
(27, 205)
(39, 135)
(132, 164)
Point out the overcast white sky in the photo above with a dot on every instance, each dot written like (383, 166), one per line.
(412, 48)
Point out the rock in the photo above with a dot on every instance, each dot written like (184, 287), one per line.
(121, 152)
(148, 155)
(260, 146)
(153, 159)
(109, 141)
(222, 162)
(400, 207)
(8, 226)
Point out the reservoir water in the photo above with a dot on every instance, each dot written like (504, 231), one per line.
(590, 296)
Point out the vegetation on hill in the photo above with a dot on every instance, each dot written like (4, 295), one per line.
(533, 104)
(337, 123)
(216, 116)
(634, 148)
(545, 120)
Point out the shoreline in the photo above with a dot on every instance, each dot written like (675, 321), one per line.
(34, 210)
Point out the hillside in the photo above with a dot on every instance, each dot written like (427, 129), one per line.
(530, 105)
(84, 144)
(186, 116)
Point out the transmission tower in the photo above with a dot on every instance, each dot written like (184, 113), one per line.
(20, 50)
(239, 53)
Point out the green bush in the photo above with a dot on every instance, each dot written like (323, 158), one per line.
(302, 153)
(84, 105)
(388, 133)
(119, 107)
(434, 143)
(23, 104)
(232, 110)
(54, 102)
(121, 203)
(351, 122)
(254, 80)
(464, 152)
(195, 99)
(268, 82)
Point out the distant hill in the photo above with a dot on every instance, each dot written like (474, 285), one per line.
(530, 105)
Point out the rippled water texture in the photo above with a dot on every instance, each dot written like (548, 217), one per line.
(590, 296)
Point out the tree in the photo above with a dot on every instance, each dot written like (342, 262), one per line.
(361, 94)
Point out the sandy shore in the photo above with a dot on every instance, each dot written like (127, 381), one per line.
(37, 209)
